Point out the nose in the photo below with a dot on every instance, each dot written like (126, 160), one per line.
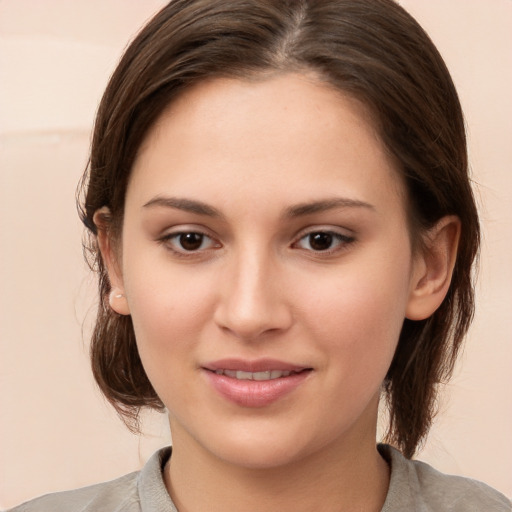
(253, 300)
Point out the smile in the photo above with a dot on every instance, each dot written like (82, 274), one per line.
(252, 384)
(264, 375)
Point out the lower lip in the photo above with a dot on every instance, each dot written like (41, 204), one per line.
(255, 393)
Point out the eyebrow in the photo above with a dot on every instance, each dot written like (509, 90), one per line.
(299, 210)
(187, 205)
(325, 205)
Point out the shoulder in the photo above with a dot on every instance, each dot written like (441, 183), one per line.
(115, 495)
(415, 485)
(130, 493)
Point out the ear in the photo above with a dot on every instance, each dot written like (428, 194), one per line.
(110, 257)
(433, 268)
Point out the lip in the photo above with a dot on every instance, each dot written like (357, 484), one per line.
(254, 393)
(258, 365)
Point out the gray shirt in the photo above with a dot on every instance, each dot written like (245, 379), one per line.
(414, 487)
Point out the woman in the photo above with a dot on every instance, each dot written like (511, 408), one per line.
(283, 226)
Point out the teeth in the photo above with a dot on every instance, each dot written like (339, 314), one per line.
(240, 375)
(262, 375)
(266, 375)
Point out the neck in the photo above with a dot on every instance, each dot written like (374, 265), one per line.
(337, 478)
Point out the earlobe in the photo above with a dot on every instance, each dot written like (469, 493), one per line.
(433, 268)
(117, 299)
(118, 302)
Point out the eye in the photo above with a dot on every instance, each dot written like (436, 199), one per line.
(323, 241)
(189, 242)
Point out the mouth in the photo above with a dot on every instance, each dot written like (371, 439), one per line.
(256, 383)
(263, 369)
(263, 375)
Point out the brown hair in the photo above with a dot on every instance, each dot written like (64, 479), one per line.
(371, 49)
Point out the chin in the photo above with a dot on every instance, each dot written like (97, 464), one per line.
(263, 448)
(258, 456)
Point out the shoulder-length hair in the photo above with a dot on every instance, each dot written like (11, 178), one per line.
(370, 49)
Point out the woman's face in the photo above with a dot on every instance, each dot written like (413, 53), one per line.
(267, 267)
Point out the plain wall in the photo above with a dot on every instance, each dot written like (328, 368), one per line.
(56, 430)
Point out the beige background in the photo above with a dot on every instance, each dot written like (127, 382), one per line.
(56, 431)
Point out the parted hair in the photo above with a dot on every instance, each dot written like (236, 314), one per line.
(370, 49)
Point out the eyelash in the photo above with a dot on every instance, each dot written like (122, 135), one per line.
(341, 242)
(167, 240)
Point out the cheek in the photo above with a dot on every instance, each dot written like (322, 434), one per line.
(168, 317)
(168, 310)
(358, 315)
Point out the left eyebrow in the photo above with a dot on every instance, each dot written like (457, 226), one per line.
(325, 205)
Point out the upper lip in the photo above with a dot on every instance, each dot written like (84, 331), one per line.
(259, 365)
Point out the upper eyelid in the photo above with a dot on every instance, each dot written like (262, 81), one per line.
(335, 230)
(186, 228)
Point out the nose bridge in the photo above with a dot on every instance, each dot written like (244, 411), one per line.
(251, 302)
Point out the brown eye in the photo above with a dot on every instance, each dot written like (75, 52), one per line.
(191, 241)
(320, 241)
(323, 241)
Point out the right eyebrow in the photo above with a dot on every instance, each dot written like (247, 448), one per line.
(187, 205)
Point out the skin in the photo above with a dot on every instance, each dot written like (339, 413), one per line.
(253, 152)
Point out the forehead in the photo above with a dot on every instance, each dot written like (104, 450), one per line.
(281, 136)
